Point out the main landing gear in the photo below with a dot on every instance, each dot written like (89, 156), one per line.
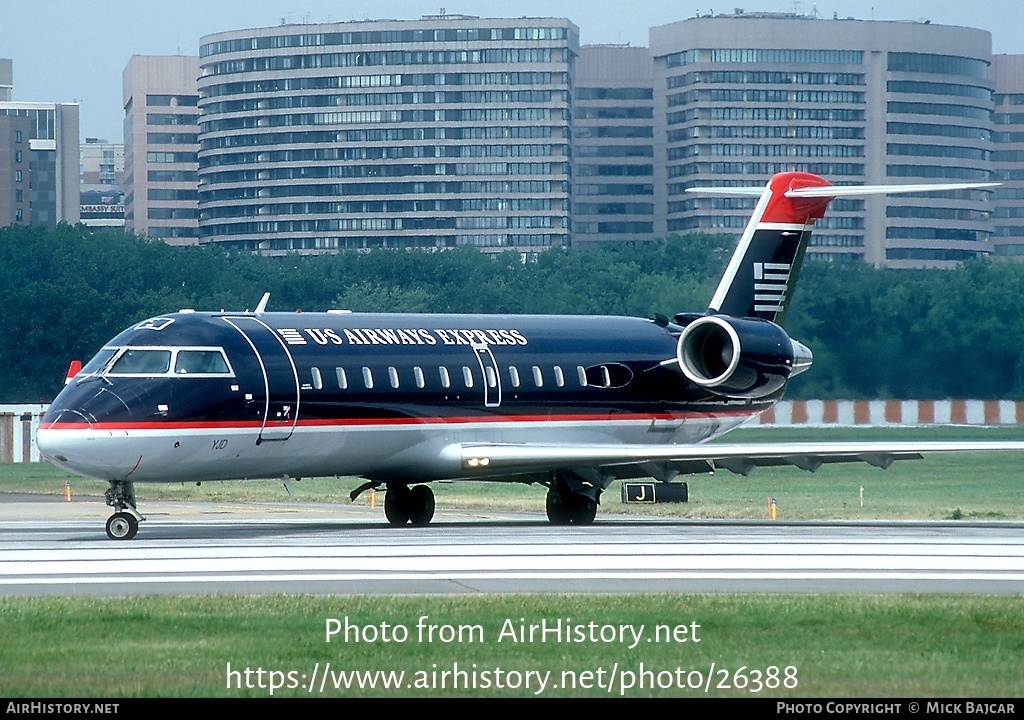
(404, 504)
(570, 501)
(124, 523)
(570, 508)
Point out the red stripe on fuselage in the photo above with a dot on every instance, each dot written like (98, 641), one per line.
(357, 422)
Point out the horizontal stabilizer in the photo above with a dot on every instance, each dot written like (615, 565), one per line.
(751, 191)
(833, 191)
(759, 279)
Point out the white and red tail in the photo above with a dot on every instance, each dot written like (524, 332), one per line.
(760, 277)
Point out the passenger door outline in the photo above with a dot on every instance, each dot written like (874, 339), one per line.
(280, 381)
(488, 370)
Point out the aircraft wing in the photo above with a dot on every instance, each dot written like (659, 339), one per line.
(496, 458)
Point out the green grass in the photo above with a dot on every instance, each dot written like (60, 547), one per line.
(841, 646)
(979, 486)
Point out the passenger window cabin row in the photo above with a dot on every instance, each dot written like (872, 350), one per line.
(463, 378)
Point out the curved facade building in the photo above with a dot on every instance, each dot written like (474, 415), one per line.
(435, 133)
(860, 102)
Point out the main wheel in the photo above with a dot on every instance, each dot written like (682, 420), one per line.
(421, 505)
(122, 526)
(557, 508)
(583, 510)
(398, 505)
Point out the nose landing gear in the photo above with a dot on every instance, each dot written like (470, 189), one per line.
(124, 523)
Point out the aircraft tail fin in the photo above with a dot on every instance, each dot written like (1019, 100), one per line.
(760, 277)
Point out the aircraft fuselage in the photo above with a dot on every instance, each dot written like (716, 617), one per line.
(214, 396)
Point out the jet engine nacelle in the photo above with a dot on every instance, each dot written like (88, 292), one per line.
(739, 357)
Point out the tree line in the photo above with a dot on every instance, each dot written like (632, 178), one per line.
(875, 333)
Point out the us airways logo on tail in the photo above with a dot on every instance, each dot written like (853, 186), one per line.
(770, 282)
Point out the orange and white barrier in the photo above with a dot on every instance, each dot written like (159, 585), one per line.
(895, 412)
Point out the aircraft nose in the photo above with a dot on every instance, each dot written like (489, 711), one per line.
(54, 433)
(53, 445)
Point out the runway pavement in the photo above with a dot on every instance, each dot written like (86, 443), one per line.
(51, 547)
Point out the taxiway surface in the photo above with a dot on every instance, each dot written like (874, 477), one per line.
(51, 547)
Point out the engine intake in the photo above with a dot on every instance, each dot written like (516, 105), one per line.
(739, 357)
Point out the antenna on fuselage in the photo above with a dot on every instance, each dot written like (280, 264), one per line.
(262, 306)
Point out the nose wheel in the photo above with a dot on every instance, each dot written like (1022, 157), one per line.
(124, 523)
(122, 526)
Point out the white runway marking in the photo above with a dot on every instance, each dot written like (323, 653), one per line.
(240, 553)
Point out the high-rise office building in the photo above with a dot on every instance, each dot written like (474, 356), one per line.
(38, 158)
(740, 97)
(1008, 156)
(14, 170)
(444, 131)
(613, 145)
(505, 134)
(6, 79)
(102, 188)
(161, 128)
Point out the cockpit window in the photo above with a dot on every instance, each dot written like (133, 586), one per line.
(142, 362)
(156, 361)
(98, 362)
(200, 362)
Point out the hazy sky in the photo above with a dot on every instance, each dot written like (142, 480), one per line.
(75, 50)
